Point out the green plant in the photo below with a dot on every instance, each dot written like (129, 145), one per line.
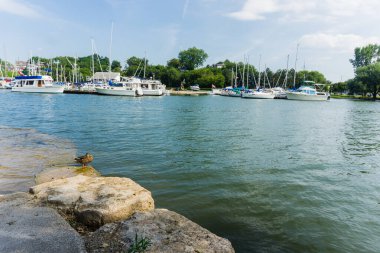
(139, 245)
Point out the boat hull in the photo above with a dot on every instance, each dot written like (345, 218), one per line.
(118, 91)
(152, 92)
(306, 97)
(258, 95)
(53, 89)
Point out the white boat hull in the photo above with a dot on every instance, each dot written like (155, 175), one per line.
(49, 89)
(306, 97)
(152, 92)
(258, 95)
(216, 91)
(118, 91)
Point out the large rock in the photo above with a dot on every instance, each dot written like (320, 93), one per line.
(26, 227)
(167, 232)
(95, 200)
(54, 173)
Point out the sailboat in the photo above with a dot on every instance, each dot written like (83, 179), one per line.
(259, 93)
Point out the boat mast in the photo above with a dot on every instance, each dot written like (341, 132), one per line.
(235, 75)
(109, 75)
(144, 64)
(92, 59)
(247, 71)
(285, 83)
(257, 87)
(295, 67)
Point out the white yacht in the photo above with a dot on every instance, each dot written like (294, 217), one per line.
(259, 94)
(153, 88)
(130, 86)
(307, 93)
(279, 92)
(35, 84)
(194, 87)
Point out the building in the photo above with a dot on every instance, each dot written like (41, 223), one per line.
(106, 76)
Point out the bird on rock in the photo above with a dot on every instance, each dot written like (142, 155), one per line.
(84, 159)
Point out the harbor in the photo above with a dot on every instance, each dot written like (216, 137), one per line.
(264, 178)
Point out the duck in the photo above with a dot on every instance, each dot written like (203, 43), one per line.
(84, 159)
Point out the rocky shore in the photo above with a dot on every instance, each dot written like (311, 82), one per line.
(71, 209)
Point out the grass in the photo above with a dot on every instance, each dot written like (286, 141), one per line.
(139, 245)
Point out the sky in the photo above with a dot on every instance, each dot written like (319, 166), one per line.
(327, 31)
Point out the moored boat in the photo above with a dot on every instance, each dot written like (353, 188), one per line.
(36, 84)
(130, 87)
(307, 93)
(258, 94)
(153, 88)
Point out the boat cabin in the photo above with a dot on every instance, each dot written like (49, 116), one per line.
(33, 81)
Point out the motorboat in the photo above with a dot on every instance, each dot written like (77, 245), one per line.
(153, 87)
(258, 94)
(130, 86)
(216, 91)
(307, 93)
(279, 92)
(194, 87)
(35, 84)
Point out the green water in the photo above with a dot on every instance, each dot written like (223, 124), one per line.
(269, 175)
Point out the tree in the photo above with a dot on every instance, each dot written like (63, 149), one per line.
(365, 56)
(370, 77)
(192, 58)
(171, 77)
(116, 66)
(174, 63)
(135, 61)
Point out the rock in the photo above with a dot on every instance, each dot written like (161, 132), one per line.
(26, 227)
(51, 174)
(167, 232)
(95, 200)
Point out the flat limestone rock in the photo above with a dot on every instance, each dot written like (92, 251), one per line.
(26, 227)
(167, 232)
(51, 174)
(95, 200)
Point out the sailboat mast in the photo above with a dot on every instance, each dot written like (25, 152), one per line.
(259, 72)
(285, 83)
(110, 51)
(235, 75)
(144, 64)
(92, 59)
(295, 67)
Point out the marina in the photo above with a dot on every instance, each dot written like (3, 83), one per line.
(250, 170)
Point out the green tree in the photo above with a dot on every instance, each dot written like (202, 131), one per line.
(116, 66)
(192, 58)
(174, 63)
(365, 56)
(370, 77)
(171, 77)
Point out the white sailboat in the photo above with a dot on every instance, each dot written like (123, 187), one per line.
(259, 93)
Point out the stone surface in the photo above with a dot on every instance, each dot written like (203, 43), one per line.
(26, 227)
(54, 173)
(95, 200)
(166, 230)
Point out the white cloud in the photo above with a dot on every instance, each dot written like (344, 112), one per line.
(19, 8)
(301, 10)
(340, 42)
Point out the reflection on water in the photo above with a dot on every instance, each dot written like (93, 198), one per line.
(25, 152)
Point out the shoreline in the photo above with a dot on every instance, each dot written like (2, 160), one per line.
(92, 209)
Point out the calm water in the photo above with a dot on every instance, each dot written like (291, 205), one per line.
(270, 175)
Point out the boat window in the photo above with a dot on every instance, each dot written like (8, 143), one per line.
(40, 83)
(30, 82)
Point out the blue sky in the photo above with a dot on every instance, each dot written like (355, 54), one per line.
(327, 30)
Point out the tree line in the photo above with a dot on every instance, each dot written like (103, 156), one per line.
(186, 69)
